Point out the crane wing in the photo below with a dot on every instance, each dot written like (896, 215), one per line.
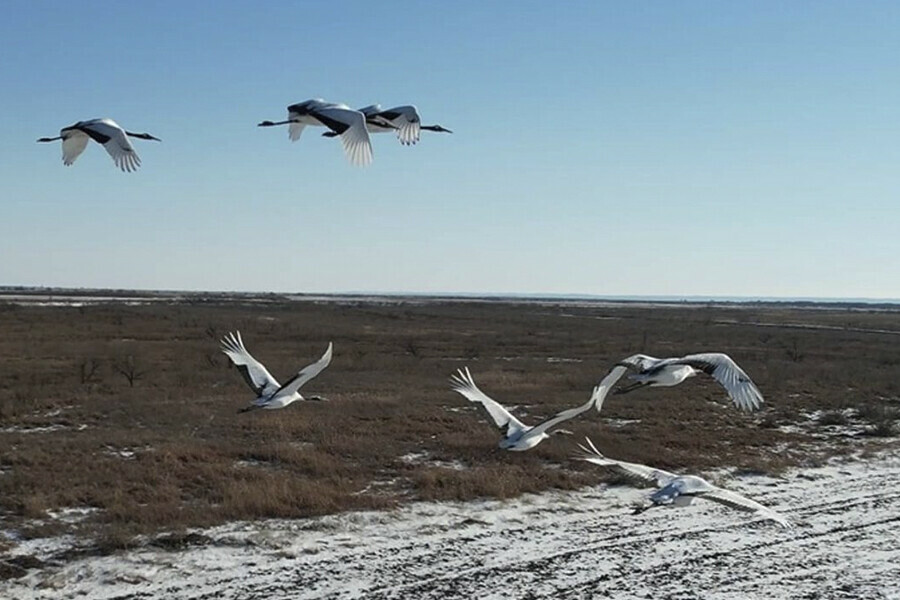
(641, 474)
(722, 368)
(108, 134)
(735, 500)
(73, 144)
(254, 373)
(122, 153)
(463, 383)
(305, 374)
(350, 126)
(606, 384)
(406, 120)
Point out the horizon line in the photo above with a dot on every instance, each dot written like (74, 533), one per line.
(669, 298)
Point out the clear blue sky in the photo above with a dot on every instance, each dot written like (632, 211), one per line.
(674, 148)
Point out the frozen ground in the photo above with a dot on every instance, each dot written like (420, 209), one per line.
(561, 545)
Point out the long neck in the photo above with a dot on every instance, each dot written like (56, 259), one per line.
(273, 123)
(143, 136)
(53, 139)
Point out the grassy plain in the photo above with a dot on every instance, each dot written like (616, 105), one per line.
(130, 412)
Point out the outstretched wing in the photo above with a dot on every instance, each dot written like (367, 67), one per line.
(254, 373)
(350, 126)
(722, 368)
(294, 128)
(735, 500)
(73, 144)
(602, 389)
(406, 120)
(462, 382)
(641, 474)
(305, 374)
(107, 133)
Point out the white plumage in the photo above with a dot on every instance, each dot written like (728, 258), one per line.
(665, 372)
(404, 120)
(269, 393)
(347, 124)
(516, 435)
(105, 132)
(678, 490)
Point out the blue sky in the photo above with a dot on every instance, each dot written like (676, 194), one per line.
(627, 148)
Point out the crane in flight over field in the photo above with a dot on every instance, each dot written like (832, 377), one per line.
(269, 393)
(516, 435)
(347, 124)
(678, 490)
(665, 372)
(105, 132)
(404, 120)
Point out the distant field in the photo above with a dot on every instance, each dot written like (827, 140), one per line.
(129, 412)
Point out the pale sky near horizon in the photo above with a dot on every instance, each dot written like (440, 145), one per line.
(610, 148)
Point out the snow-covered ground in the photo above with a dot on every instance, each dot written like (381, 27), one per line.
(556, 545)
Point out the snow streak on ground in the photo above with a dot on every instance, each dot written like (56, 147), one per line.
(561, 545)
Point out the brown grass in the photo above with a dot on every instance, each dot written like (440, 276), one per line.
(160, 446)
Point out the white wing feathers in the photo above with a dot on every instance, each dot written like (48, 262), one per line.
(117, 143)
(636, 472)
(463, 383)
(723, 369)
(255, 374)
(122, 153)
(602, 389)
(407, 122)
(305, 374)
(355, 139)
(735, 500)
(73, 145)
(294, 131)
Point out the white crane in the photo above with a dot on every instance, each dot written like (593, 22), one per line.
(344, 122)
(665, 372)
(269, 393)
(516, 435)
(678, 490)
(105, 132)
(404, 120)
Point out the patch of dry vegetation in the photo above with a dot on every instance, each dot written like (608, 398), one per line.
(132, 410)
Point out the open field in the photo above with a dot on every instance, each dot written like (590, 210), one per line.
(579, 544)
(120, 420)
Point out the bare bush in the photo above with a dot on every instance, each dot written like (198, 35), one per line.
(87, 370)
(128, 367)
(882, 419)
(832, 417)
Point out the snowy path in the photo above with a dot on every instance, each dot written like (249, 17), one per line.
(561, 545)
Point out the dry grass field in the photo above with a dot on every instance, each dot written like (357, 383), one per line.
(130, 412)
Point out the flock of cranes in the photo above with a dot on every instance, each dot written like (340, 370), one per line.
(352, 127)
(645, 371)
